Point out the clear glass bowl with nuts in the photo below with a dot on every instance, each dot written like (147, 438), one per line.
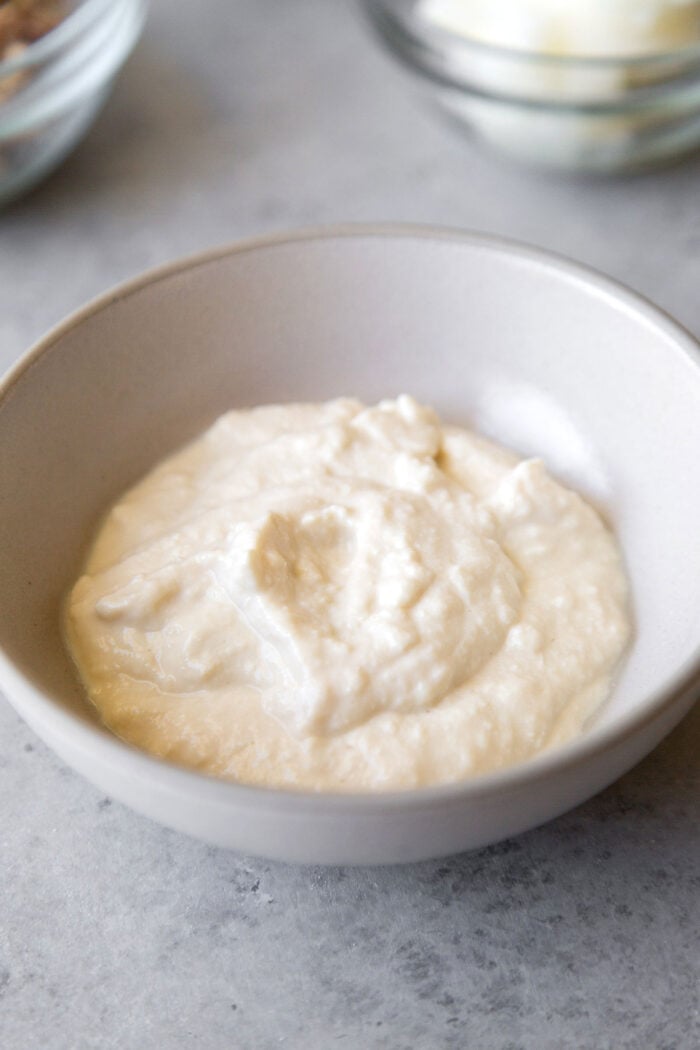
(58, 59)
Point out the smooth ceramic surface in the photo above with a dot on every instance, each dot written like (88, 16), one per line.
(546, 356)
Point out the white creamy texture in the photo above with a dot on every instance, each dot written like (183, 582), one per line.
(571, 27)
(347, 598)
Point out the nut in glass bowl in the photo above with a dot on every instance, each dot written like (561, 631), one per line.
(58, 59)
(634, 105)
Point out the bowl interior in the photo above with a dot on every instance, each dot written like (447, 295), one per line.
(537, 354)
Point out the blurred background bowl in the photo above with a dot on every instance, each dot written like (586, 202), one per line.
(51, 91)
(601, 114)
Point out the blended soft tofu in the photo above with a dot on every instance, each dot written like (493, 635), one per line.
(335, 597)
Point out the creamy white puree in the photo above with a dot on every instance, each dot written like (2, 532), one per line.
(341, 598)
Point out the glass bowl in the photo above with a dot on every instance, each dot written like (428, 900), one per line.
(601, 114)
(51, 91)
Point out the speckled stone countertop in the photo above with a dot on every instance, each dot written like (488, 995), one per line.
(233, 119)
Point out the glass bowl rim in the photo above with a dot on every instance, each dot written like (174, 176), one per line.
(391, 21)
(74, 23)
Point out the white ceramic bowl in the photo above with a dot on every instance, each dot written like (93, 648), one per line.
(540, 353)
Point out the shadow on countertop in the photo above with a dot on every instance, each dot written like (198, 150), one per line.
(153, 135)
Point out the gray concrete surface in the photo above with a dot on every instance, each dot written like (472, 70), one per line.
(232, 119)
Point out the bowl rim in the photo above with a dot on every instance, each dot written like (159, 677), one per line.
(394, 22)
(85, 13)
(39, 707)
